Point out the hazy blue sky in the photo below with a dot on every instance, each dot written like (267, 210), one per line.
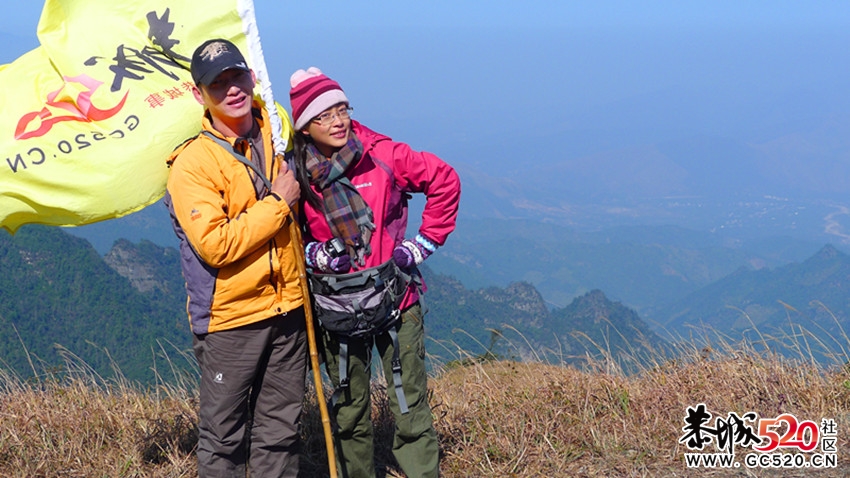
(23, 17)
(614, 94)
(511, 62)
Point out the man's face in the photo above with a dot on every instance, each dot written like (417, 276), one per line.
(229, 96)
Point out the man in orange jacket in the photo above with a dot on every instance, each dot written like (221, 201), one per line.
(230, 200)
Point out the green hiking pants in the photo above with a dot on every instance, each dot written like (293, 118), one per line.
(415, 444)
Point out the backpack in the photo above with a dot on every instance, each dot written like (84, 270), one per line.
(362, 305)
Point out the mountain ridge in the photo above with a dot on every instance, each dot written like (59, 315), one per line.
(129, 301)
(56, 289)
(799, 301)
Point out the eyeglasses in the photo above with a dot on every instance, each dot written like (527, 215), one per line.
(327, 118)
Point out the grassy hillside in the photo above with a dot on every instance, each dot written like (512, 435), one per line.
(59, 298)
(493, 418)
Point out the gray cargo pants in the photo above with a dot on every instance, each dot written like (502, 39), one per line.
(251, 393)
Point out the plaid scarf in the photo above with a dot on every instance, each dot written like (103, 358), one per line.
(348, 215)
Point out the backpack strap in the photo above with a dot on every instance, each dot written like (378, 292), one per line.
(385, 167)
(239, 157)
(393, 332)
(399, 392)
(344, 381)
(415, 278)
(343, 370)
(352, 280)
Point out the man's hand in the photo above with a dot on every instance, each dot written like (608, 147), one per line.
(286, 186)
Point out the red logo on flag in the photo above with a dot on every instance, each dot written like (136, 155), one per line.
(61, 107)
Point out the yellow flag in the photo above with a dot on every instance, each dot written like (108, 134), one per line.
(90, 116)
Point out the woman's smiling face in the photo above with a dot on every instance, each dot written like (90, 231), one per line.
(330, 129)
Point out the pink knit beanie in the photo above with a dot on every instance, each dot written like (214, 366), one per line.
(312, 92)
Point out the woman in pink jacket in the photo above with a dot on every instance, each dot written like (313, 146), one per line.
(355, 186)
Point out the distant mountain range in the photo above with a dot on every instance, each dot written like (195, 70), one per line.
(127, 310)
(646, 267)
(683, 283)
(127, 307)
(800, 308)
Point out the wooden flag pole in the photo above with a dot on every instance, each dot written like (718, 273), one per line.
(311, 341)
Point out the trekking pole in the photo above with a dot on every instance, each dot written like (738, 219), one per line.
(311, 342)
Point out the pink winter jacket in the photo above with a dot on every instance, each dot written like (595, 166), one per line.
(386, 173)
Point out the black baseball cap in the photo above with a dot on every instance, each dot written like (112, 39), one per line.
(213, 57)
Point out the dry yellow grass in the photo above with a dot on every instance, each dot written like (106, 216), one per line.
(78, 429)
(521, 419)
(494, 418)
